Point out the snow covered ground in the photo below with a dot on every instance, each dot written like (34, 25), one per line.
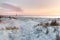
(27, 30)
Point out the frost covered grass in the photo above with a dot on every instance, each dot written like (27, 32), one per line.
(29, 28)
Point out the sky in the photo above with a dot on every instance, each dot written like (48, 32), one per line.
(30, 7)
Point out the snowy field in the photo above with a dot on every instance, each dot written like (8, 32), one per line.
(29, 28)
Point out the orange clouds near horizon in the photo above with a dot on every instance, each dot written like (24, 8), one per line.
(54, 10)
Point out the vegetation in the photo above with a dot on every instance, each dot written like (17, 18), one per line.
(1, 16)
(12, 28)
(0, 21)
(45, 24)
(54, 23)
(11, 17)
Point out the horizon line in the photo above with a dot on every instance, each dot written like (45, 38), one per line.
(35, 16)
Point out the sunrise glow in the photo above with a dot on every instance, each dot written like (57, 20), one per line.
(51, 7)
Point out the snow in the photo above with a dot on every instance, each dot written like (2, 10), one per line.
(26, 29)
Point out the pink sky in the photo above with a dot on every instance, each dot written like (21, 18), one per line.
(31, 7)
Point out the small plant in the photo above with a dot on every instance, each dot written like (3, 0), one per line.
(37, 25)
(8, 28)
(54, 23)
(11, 17)
(14, 28)
(42, 24)
(0, 21)
(1, 16)
(45, 25)
(11, 28)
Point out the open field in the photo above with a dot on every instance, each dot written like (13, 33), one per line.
(29, 28)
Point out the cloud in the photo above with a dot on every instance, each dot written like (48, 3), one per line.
(9, 9)
(9, 6)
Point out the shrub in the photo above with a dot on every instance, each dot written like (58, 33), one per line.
(45, 24)
(11, 28)
(54, 23)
